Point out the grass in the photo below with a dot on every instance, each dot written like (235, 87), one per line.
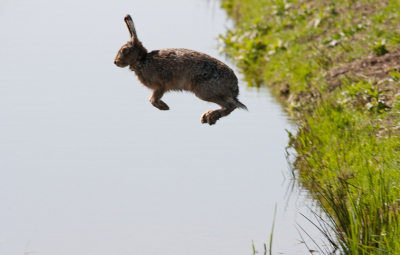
(271, 237)
(354, 175)
(335, 65)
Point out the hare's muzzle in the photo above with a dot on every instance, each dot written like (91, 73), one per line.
(120, 63)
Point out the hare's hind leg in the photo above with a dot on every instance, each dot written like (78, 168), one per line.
(211, 117)
(155, 100)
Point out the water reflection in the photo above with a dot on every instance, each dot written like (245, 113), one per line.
(88, 166)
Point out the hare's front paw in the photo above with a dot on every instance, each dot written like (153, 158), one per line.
(161, 105)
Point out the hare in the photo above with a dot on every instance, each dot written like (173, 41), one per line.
(181, 70)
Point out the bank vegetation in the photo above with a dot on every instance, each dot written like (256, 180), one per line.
(335, 65)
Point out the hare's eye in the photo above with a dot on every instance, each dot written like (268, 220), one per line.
(125, 50)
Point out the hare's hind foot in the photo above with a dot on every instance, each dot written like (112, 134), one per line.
(210, 117)
(203, 118)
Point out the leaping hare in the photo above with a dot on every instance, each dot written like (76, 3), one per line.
(181, 69)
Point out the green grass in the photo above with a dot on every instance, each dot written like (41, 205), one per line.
(355, 176)
(271, 237)
(348, 143)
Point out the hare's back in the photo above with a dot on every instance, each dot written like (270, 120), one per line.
(197, 67)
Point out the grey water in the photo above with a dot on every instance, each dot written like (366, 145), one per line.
(88, 166)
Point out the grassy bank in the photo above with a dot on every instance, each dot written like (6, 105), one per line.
(336, 66)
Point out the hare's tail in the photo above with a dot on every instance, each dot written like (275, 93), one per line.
(239, 104)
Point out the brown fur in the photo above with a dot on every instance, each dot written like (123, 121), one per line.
(181, 70)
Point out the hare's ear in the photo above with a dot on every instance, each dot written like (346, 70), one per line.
(131, 27)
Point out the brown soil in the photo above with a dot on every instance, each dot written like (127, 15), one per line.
(373, 67)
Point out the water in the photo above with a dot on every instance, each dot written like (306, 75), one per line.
(89, 166)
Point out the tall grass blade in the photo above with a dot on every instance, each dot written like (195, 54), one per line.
(272, 232)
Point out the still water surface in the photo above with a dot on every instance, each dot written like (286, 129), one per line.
(89, 166)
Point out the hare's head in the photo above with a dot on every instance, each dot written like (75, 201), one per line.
(133, 50)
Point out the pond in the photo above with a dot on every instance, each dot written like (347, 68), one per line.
(89, 166)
